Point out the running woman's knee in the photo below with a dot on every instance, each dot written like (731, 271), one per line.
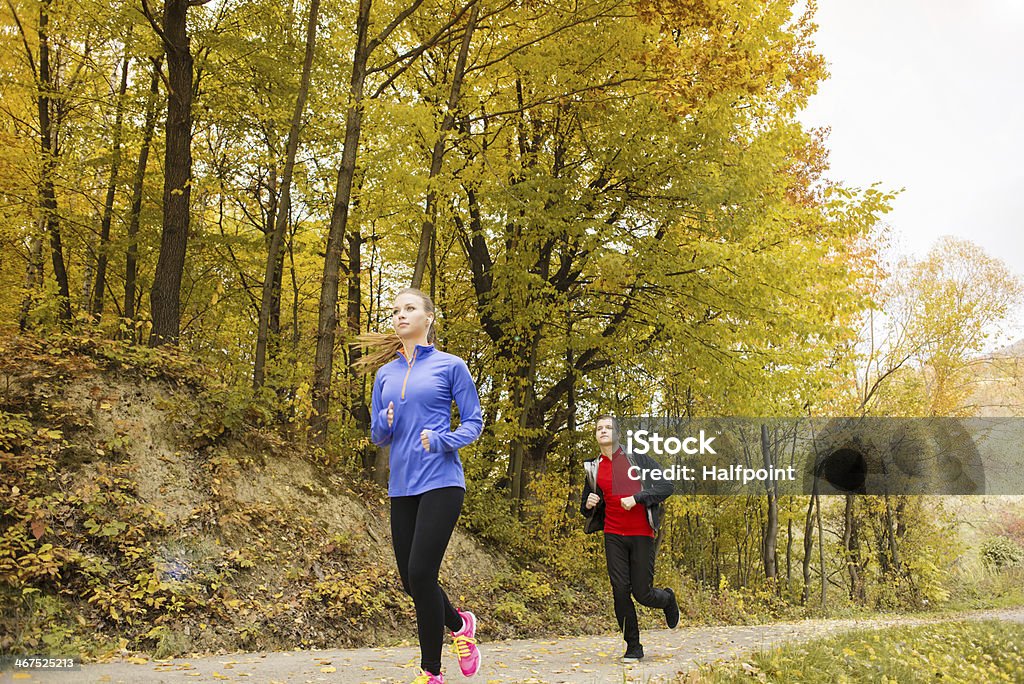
(422, 579)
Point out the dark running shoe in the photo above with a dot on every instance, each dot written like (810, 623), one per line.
(672, 610)
(633, 654)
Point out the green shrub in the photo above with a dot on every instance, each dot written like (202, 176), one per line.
(1001, 552)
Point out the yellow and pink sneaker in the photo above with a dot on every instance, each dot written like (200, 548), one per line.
(464, 645)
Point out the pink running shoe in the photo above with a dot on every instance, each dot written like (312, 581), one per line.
(427, 678)
(464, 644)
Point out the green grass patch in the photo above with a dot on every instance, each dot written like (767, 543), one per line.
(968, 652)
(1003, 588)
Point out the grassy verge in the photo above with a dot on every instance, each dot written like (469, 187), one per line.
(968, 652)
(980, 589)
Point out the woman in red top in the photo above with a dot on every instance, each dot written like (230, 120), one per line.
(629, 532)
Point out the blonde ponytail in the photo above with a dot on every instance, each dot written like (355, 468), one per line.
(381, 348)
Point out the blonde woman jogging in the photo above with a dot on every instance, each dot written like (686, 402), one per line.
(413, 393)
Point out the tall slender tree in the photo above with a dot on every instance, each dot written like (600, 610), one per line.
(102, 252)
(272, 273)
(135, 211)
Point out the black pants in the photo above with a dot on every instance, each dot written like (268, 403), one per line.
(421, 526)
(631, 570)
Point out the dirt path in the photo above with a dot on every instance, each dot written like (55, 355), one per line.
(576, 660)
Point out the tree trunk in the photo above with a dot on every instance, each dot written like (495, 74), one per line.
(789, 555)
(275, 262)
(296, 336)
(135, 214)
(821, 554)
(528, 419)
(96, 307)
(165, 295)
(88, 270)
(808, 545)
(328, 317)
(33, 276)
(890, 533)
(901, 522)
(771, 533)
(357, 383)
(575, 467)
(48, 142)
(850, 547)
(273, 324)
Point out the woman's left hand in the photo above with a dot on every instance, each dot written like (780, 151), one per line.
(628, 502)
(425, 439)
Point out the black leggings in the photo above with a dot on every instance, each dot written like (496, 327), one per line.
(631, 571)
(421, 526)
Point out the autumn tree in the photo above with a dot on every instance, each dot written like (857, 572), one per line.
(165, 295)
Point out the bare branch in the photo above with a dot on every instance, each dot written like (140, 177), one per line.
(423, 47)
(556, 31)
(395, 23)
(550, 99)
(148, 13)
(24, 41)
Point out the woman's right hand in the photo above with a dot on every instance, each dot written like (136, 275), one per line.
(593, 500)
(391, 413)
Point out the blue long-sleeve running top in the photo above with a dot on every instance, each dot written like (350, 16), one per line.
(422, 389)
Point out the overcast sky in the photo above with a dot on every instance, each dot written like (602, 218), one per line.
(928, 96)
